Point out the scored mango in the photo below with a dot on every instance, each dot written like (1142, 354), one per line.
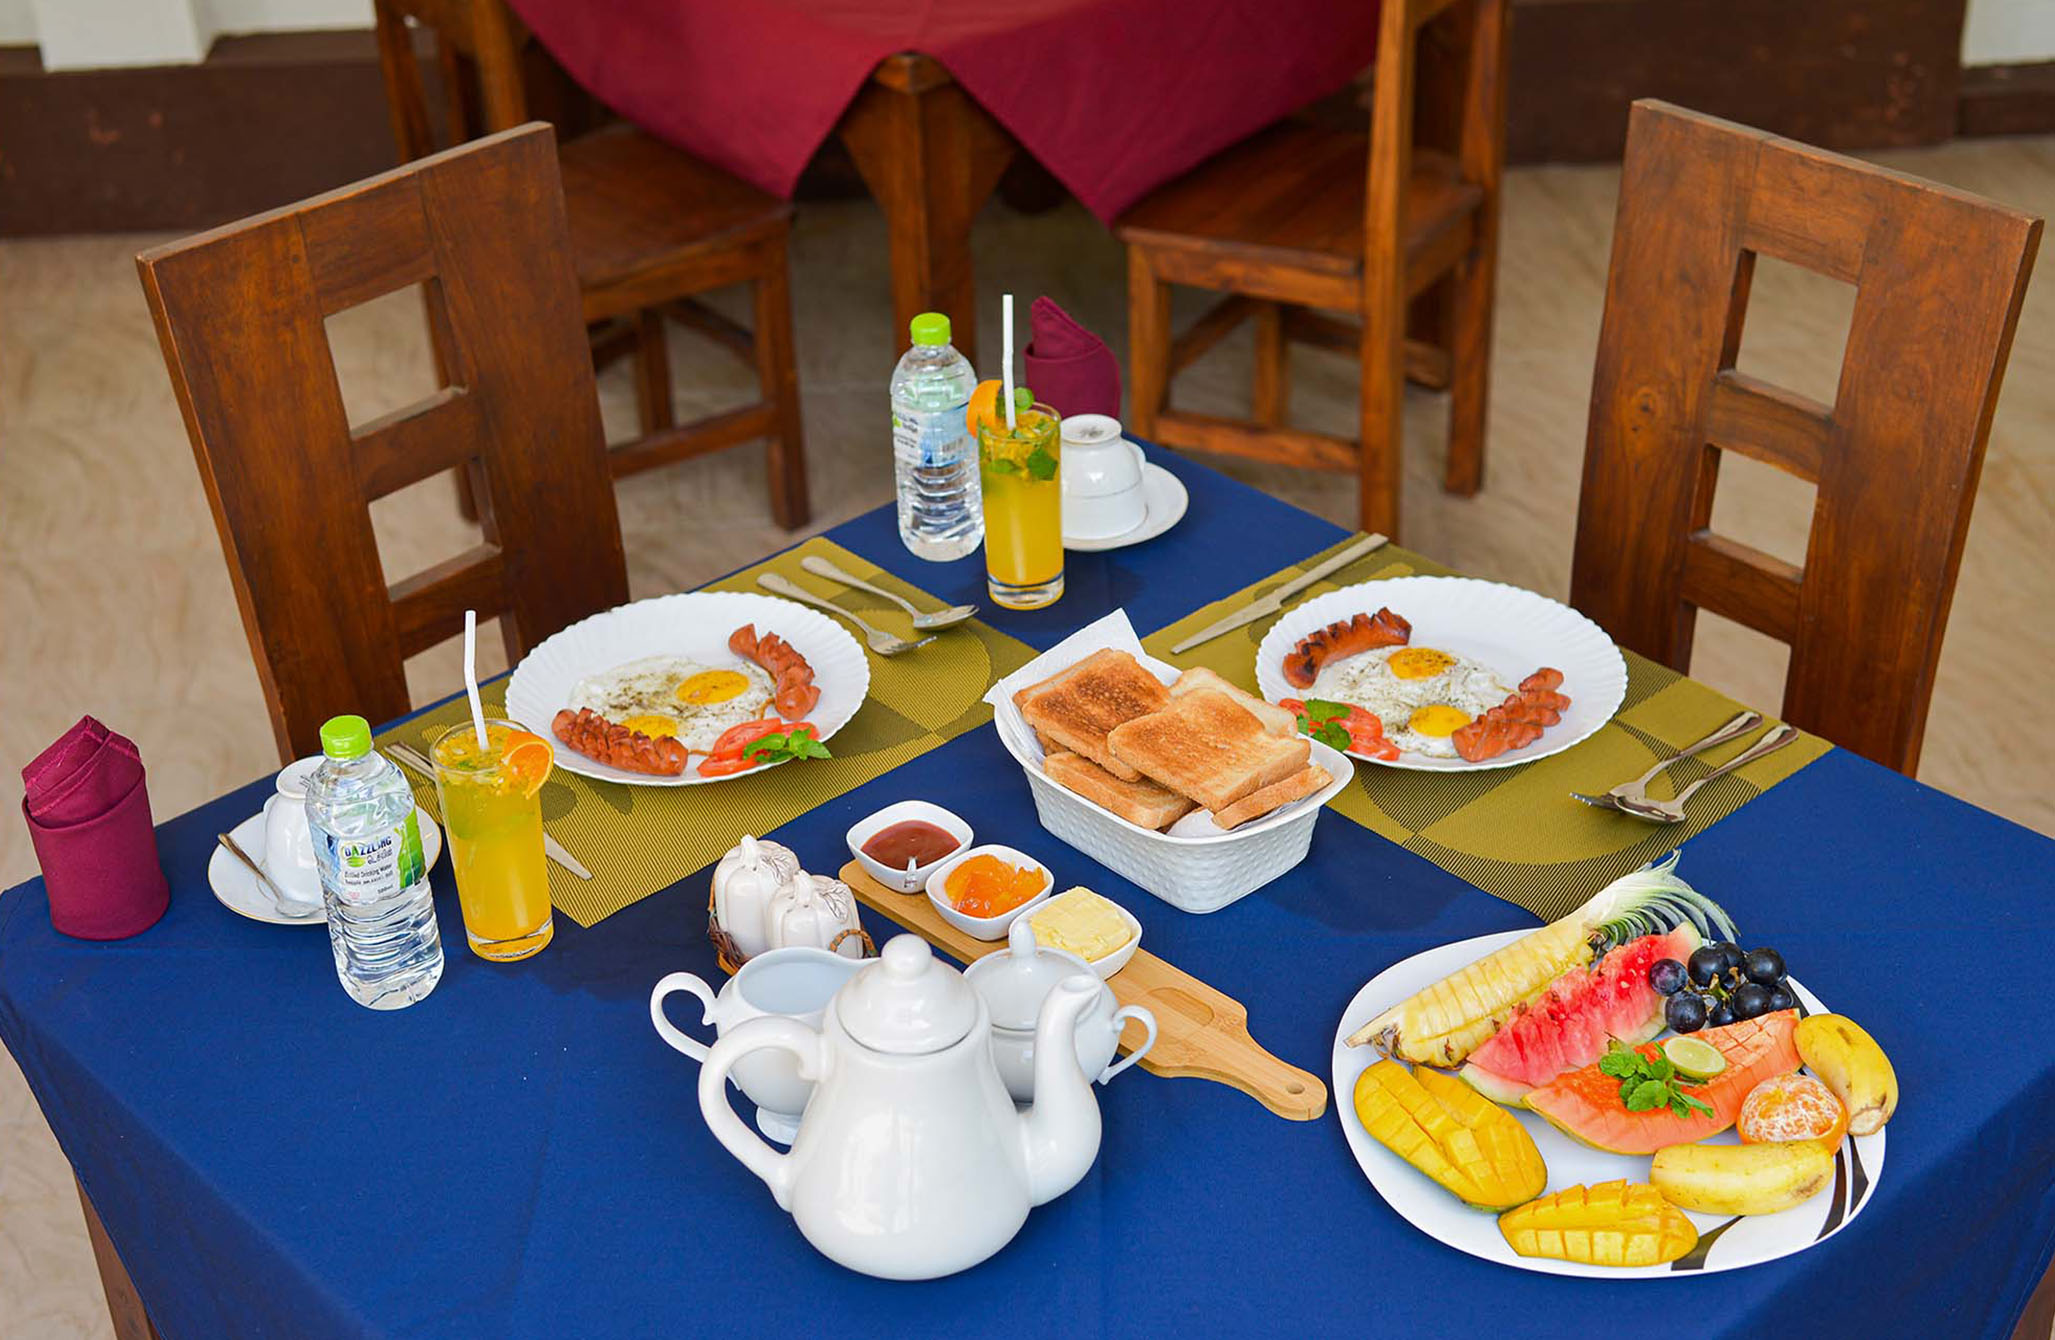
(1610, 1224)
(1475, 1149)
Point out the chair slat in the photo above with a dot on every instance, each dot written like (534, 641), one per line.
(416, 441)
(428, 604)
(1939, 279)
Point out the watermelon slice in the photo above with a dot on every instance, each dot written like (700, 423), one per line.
(1585, 1104)
(1570, 1024)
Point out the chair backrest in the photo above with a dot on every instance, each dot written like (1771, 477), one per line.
(240, 313)
(478, 45)
(1939, 276)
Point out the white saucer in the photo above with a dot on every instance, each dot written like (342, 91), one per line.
(1163, 494)
(237, 890)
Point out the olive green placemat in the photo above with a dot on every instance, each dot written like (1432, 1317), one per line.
(1515, 832)
(639, 839)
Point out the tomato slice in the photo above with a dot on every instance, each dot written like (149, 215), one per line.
(725, 767)
(737, 738)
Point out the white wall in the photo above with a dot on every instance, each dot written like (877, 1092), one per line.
(88, 34)
(2008, 32)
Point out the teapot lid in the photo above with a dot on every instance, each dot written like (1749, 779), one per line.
(1015, 983)
(907, 1003)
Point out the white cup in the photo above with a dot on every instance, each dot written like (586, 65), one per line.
(1102, 479)
(797, 982)
(288, 842)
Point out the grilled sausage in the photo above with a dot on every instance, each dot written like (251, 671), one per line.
(1346, 637)
(616, 746)
(792, 678)
(1518, 721)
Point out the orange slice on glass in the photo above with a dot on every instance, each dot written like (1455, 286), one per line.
(527, 760)
(984, 405)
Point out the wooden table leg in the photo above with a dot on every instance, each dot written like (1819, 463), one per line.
(931, 156)
(123, 1303)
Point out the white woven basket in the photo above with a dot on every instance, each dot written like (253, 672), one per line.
(1192, 874)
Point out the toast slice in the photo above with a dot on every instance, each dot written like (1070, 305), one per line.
(1275, 796)
(1207, 746)
(1141, 802)
(1275, 719)
(1077, 707)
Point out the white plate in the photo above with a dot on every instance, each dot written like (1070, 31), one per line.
(697, 625)
(1515, 632)
(1747, 1241)
(236, 889)
(1163, 493)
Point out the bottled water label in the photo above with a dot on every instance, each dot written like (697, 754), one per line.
(928, 437)
(372, 868)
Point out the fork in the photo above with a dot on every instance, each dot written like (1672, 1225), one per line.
(410, 757)
(934, 621)
(1636, 791)
(1672, 811)
(881, 642)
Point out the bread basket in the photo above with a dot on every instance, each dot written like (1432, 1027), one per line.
(1192, 874)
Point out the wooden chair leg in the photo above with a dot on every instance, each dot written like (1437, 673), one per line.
(124, 1305)
(1469, 375)
(1382, 434)
(652, 372)
(1148, 344)
(1483, 157)
(777, 374)
(1273, 366)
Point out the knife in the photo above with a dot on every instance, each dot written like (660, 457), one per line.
(1272, 603)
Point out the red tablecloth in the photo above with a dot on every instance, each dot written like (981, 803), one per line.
(1112, 96)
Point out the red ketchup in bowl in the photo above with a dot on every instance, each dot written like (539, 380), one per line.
(914, 840)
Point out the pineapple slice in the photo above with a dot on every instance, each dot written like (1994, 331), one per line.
(1446, 1129)
(1610, 1224)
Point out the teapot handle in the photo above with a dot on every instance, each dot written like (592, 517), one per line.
(755, 1035)
(1142, 1015)
(681, 981)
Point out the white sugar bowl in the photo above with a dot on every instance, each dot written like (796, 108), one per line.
(1016, 980)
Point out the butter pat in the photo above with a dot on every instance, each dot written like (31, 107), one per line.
(1083, 923)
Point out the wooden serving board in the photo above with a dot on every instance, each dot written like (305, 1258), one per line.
(1200, 1032)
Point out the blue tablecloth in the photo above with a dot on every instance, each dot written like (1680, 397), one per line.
(519, 1155)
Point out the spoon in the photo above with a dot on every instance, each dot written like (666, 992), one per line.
(288, 906)
(881, 642)
(939, 619)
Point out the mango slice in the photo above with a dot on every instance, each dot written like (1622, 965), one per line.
(1610, 1224)
(1475, 1149)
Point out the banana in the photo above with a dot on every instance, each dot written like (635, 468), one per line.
(1742, 1179)
(1849, 1061)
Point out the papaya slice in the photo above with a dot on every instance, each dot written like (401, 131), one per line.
(1473, 1148)
(1610, 1224)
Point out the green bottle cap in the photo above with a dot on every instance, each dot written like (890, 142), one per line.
(345, 738)
(930, 328)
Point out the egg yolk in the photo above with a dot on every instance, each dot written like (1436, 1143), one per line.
(1439, 720)
(650, 724)
(710, 686)
(1419, 662)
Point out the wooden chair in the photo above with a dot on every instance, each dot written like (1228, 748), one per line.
(1939, 276)
(651, 228)
(240, 314)
(1289, 221)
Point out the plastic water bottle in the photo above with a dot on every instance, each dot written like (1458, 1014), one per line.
(941, 507)
(381, 916)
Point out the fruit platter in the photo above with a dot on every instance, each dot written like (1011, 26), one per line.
(1624, 1092)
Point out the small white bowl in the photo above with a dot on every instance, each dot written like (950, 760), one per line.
(906, 881)
(986, 928)
(1116, 960)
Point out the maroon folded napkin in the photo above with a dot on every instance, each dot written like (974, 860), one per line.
(88, 812)
(1068, 368)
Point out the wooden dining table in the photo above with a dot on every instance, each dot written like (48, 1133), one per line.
(1112, 97)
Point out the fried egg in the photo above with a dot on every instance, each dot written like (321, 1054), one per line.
(673, 698)
(1423, 695)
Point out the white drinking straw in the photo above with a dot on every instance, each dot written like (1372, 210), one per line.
(471, 675)
(1006, 345)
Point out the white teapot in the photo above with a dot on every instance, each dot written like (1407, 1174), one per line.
(815, 911)
(744, 883)
(911, 1161)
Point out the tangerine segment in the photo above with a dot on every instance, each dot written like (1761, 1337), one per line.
(527, 760)
(984, 405)
(985, 886)
(1784, 1108)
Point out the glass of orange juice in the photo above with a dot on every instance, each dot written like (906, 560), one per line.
(1021, 471)
(492, 812)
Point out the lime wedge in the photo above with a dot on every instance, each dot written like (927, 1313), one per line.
(1694, 1057)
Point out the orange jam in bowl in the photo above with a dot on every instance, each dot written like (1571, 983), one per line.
(985, 886)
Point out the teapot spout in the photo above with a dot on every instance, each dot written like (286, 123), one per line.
(1060, 1132)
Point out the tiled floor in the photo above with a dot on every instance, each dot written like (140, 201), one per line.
(119, 603)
